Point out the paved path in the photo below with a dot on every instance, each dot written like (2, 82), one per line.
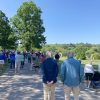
(28, 86)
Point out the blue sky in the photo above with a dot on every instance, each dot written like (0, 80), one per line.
(65, 21)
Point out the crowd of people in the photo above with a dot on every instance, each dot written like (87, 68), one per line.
(72, 74)
(17, 59)
(71, 71)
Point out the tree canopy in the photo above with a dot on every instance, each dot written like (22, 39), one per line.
(7, 36)
(28, 24)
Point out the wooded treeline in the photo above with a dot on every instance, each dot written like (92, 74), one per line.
(82, 50)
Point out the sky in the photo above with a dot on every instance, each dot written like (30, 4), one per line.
(65, 21)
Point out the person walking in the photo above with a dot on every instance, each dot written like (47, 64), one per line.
(50, 73)
(71, 75)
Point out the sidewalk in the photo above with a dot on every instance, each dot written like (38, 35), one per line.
(28, 86)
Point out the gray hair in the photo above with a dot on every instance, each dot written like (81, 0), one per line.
(49, 54)
(90, 62)
(70, 54)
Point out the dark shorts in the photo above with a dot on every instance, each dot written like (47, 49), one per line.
(36, 66)
(88, 76)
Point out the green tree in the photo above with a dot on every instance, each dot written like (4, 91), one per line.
(7, 36)
(95, 56)
(80, 52)
(93, 53)
(29, 25)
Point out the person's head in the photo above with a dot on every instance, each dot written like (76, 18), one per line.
(70, 55)
(57, 56)
(49, 54)
(18, 52)
(90, 62)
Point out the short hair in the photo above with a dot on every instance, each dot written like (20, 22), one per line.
(18, 52)
(57, 56)
(70, 54)
(90, 62)
(49, 54)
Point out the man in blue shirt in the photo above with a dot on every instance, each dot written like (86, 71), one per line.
(50, 73)
(71, 73)
(12, 60)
